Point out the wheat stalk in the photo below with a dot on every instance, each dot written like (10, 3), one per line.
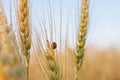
(24, 29)
(79, 52)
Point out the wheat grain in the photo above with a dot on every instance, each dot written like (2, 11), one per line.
(10, 60)
(79, 52)
(53, 68)
(3, 32)
(24, 29)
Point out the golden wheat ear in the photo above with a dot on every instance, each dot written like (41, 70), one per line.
(52, 64)
(3, 26)
(49, 65)
(10, 60)
(79, 52)
(24, 31)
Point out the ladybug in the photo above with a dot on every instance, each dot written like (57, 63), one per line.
(53, 45)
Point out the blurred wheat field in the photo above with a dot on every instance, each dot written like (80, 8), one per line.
(53, 44)
(99, 64)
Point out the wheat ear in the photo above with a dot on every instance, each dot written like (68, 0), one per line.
(10, 60)
(81, 40)
(24, 29)
(53, 68)
(3, 30)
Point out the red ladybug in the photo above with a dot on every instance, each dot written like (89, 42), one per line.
(53, 45)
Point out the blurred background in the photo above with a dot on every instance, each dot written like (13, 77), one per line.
(102, 57)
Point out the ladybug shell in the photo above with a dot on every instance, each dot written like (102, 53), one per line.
(53, 45)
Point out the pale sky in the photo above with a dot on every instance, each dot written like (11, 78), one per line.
(104, 25)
